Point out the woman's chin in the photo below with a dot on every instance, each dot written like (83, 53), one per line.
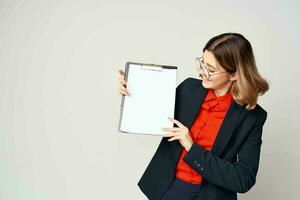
(205, 83)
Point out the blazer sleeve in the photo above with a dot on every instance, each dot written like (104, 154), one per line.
(239, 176)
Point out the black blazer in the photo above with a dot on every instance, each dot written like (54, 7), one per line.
(232, 164)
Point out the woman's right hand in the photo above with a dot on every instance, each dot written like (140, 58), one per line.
(122, 89)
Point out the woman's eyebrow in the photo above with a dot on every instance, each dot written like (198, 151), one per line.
(209, 64)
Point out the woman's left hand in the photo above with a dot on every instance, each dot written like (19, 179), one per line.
(180, 133)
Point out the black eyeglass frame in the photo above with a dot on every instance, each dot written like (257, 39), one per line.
(201, 65)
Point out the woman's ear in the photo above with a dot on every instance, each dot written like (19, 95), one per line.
(233, 76)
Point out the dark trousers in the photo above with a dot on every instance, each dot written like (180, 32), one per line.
(181, 190)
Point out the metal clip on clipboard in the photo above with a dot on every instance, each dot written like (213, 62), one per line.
(152, 67)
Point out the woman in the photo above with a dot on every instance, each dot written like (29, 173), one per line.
(213, 150)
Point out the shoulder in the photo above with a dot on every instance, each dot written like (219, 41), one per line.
(190, 82)
(190, 88)
(258, 113)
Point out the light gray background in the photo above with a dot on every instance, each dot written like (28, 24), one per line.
(59, 105)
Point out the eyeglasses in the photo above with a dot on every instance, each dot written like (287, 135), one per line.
(201, 66)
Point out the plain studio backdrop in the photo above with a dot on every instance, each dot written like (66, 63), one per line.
(59, 105)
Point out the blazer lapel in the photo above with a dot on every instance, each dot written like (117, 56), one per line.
(227, 128)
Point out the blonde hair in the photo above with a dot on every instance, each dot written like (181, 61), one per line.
(234, 53)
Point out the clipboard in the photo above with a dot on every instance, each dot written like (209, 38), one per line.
(152, 90)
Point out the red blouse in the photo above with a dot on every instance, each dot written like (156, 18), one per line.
(204, 131)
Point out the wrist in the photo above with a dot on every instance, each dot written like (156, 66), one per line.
(189, 147)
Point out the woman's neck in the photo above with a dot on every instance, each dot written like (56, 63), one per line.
(222, 91)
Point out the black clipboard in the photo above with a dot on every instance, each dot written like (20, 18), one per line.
(144, 66)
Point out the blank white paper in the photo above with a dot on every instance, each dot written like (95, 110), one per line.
(151, 102)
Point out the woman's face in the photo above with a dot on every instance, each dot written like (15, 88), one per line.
(217, 81)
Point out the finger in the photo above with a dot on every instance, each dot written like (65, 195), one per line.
(122, 81)
(171, 129)
(123, 89)
(174, 138)
(121, 72)
(167, 134)
(171, 134)
(179, 124)
(123, 93)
